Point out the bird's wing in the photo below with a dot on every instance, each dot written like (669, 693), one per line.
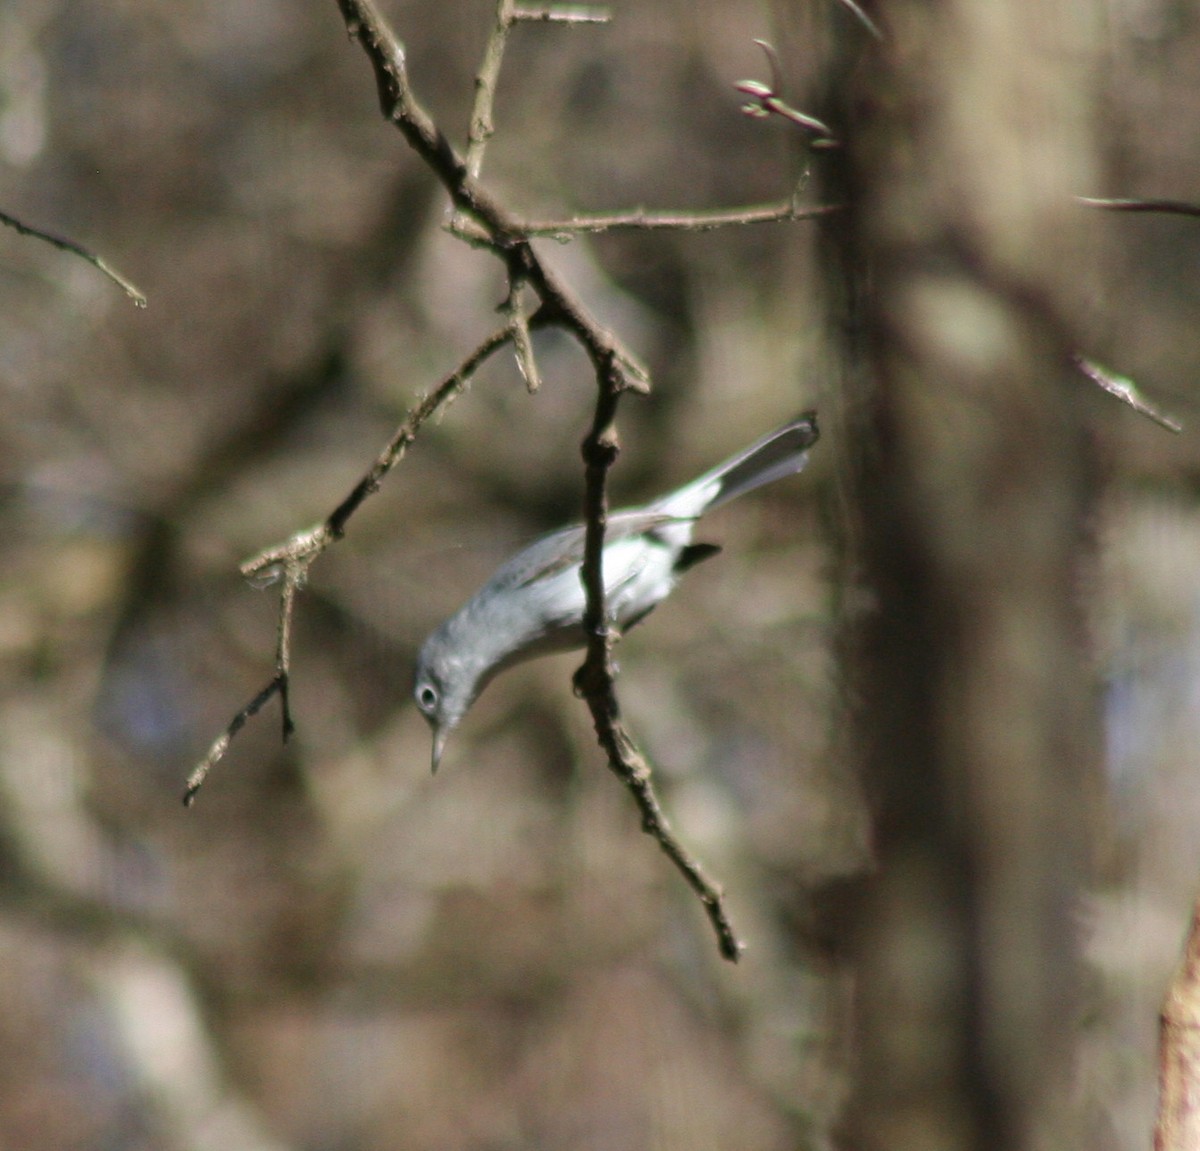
(562, 551)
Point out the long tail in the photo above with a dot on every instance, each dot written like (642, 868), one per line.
(780, 453)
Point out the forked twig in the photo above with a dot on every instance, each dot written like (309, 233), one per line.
(765, 100)
(289, 562)
(518, 326)
(279, 685)
(616, 372)
(483, 221)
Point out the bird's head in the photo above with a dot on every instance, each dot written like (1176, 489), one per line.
(444, 691)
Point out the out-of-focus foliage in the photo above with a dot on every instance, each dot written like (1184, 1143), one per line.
(332, 949)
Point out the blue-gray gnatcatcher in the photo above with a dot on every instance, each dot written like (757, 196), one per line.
(534, 603)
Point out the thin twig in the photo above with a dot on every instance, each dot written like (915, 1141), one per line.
(490, 225)
(482, 123)
(222, 742)
(444, 394)
(698, 221)
(596, 679)
(1126, 391)
(292, 559)
(765, 100)
(518, 326)
(304, 547)
(863, 18)
(293, 580)
(1166, 207)
(386, 54)
(563, 14)
(616, 372)
(66, 245)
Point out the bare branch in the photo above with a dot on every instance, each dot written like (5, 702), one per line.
(595, 681)
(482, 124)
(698, 221)
(445, 393)
(301, 549)
(292, 559)
(62, 243)
(292, 582)
(862, 18)
(616, 372)
(765, 100)
(294, 576)
(221, 745)
(483, 221)
(1166, 207)
(1177, 1126)
(518, 327)
(563, 14)
(383, 49)
(1126, 391)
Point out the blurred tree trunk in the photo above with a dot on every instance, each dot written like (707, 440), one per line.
(968, 131)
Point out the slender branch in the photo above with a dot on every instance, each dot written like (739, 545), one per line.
(563, 14)
(444, 394)
(386, 54)
(221, 744)
(304, 547)
(482, 124)
(1166, 207)
(1126, 391)
(518, 327)
(765, 100)
(508, 13)
(862, 18)
(292, 559)
(293, 579)
(292, 582)
(698, 221)
(485, 222)
(596, 679)
(79, 250)
(616, 372)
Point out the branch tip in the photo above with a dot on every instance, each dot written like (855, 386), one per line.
(1126, 391)
(65, 245)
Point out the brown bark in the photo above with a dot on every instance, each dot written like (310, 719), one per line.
(968, 134)
(1178, 1126)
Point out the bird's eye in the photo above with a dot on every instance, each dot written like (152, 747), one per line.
(427, 698)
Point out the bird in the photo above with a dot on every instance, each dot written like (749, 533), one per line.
(534, 603)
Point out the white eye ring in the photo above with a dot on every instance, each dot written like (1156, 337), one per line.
(427, 697)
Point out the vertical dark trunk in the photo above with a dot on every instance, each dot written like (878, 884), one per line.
(967, 133)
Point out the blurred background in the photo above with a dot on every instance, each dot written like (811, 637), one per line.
(332, 949)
